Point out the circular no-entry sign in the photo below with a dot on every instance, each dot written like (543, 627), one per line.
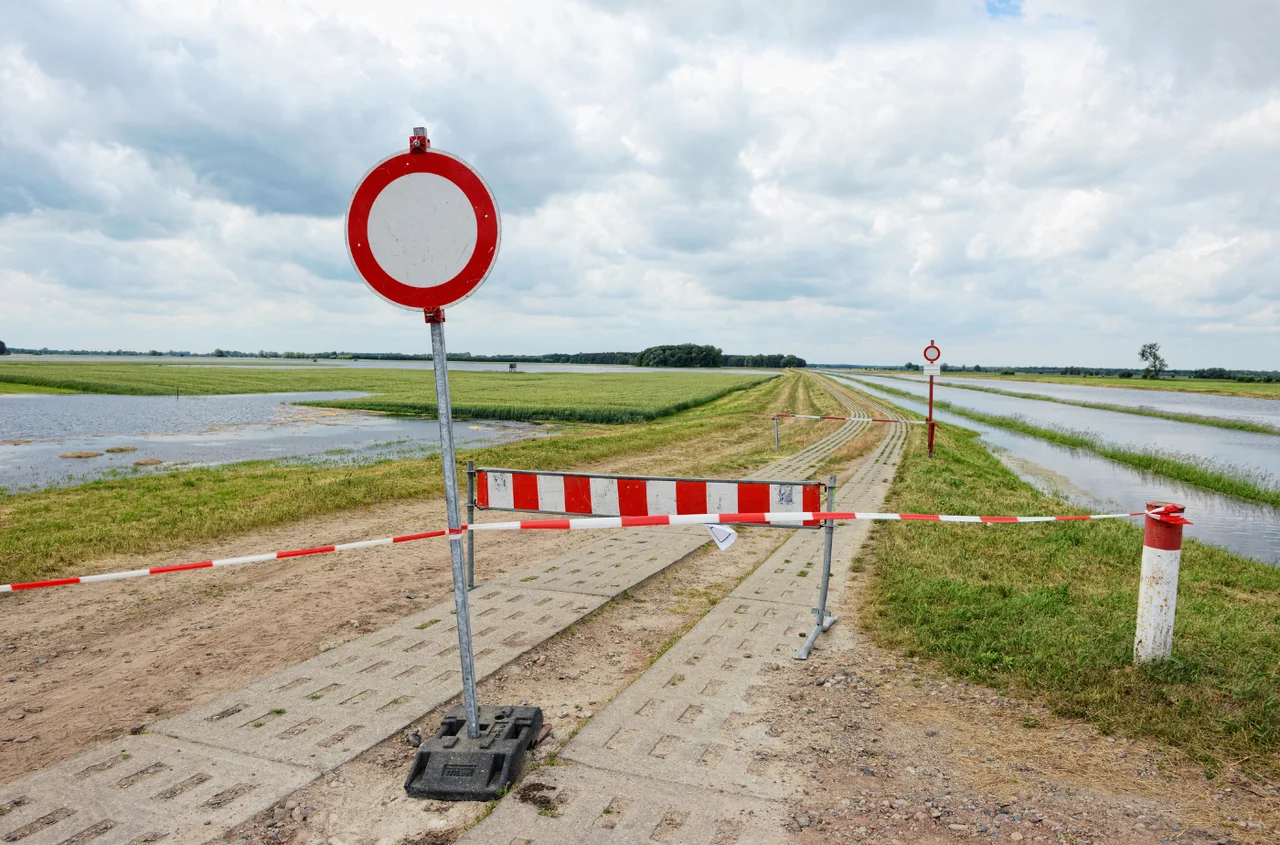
(423, 229)
(932, 353)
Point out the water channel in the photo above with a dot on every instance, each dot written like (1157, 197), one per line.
(1095, 483)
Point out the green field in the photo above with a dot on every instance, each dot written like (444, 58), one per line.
(62, 531)
(1049, 610)
(1218, 387)
(606, 397)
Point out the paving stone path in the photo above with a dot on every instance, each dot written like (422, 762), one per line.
(684, 754)
(192, 778)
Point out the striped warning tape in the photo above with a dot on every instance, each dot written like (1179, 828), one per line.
(1166, 513)
(847, 419)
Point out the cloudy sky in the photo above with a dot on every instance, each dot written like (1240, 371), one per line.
(1038, 182)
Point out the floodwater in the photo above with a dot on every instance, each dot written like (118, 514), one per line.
(206, 431)
(1245, 450)
(1095, 483)
(476, 366)
(1266, 411)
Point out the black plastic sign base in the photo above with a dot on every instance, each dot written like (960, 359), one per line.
(450, 766)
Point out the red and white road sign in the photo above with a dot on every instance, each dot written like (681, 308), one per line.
(423, 229)
(932, 353)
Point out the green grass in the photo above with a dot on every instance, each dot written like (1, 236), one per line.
(1194, 419)
(1216, 387)
(609, 397)
(1049, 610)
(11, 387)
(1254, 486)
(48, 533)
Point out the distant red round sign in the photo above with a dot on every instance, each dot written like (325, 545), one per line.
(932, 353)
(423, 229)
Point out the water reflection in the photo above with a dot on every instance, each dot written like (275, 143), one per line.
(1083, 478)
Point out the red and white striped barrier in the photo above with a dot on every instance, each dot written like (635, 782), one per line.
(617, 495)
(1164, 514)
(846, 419)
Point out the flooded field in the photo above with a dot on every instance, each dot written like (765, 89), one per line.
(1244, 449)
(1096, 483)
(36, 430)
(1266, 411)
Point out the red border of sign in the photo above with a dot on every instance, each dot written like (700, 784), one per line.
(937, 353)
(488, 230)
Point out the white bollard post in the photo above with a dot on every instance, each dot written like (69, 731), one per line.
(1158, 590)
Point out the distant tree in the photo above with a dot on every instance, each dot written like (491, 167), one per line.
(4, 350)
(977, 368)
(1124, 374)
(1156, 365)
(911, 366)
(218, 353)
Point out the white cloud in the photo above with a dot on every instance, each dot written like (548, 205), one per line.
(841, 180)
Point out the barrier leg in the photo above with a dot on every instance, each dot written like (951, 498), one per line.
(1158, 589)
(824, 619)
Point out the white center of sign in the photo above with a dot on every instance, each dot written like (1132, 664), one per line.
(422, 230)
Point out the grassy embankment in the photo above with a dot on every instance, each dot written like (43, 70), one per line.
(1215, 387)
(1194, 419)
(10, 387)
(1049, 610)
(1233, 481)
(62, 531)
(608, 397)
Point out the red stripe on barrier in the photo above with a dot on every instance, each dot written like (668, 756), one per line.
(691, 497)
(811, 501)
(33, 585)
(749, 518)
(926, 517)
(997, 519)
(482, 489)
(633, 498)
(425, 535)
(524, 491)
(577, 494)
(302, 552)
(753, 497)
(179, 567)
(556, 524)
(1069, 518)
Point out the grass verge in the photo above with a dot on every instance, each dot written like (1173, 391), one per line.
(1254, 486)
(1050, 610)
(1194, 419)
(49, 533)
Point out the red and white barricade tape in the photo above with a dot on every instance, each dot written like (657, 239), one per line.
(847, 419)
(1167, 513)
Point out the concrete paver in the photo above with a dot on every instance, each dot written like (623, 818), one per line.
(217, 765)
(696, 722)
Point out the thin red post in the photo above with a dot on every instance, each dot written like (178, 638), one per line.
(931, 416)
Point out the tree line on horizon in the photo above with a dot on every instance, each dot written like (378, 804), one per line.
(678, 355)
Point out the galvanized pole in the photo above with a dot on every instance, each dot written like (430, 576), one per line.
(776, 448)
(824, 620)
(444, 412)
(471, 518)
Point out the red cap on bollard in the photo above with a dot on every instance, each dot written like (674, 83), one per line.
(1162, 534)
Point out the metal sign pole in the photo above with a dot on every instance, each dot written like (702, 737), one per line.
(444, 412)
(824, 620)
(776, 447)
